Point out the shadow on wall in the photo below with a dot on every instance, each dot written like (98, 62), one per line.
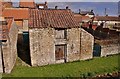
(23, 47)
(96, 50)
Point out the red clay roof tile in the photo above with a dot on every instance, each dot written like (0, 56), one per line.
(107, 18)
(56, 18)
(27, 3)
(16, 13)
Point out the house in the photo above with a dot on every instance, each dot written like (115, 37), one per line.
(8, 42)
(109, 21)
(4, 5)
(84, 21)
(20, 16)
(56, 37)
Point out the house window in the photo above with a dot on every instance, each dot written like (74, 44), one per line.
(61, 33)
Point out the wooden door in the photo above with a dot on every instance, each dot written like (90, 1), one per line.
(60, 53)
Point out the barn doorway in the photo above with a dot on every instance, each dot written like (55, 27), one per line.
(61, 53)
(96, 50)
(23, 47)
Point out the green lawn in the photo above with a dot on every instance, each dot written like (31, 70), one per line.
(74, 69)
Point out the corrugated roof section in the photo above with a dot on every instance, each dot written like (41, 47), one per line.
(56, 18)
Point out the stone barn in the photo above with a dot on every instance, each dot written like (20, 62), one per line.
(55, 37)
(8, 44)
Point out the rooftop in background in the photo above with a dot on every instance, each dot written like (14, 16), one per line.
(107, 18)
(27, 4)
(79, 18)
(56, 18)
(5, 25)
(17, 13)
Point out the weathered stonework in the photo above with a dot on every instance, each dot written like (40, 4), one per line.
(42, 46)
(1, 66)
(43, 41)
(73, 44)
(9, 49)
(87, 43)
(109, 47)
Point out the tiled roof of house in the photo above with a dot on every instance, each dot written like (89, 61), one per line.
(56, 18)
(107, 18)
(16, 13)
(79, 18)
(27, 3)
(4, 28)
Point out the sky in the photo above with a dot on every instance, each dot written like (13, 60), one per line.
(98, 6)
(71, 0)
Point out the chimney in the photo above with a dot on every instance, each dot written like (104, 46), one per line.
(105, 11)
(106, 14)
(56, 7)
(67, 7)
(79, 10)
(46, 3)
(91, 10)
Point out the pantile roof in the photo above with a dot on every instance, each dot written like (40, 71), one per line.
(107, 18)
(79, 18)
(16, 13)
(56, 18)
(27, 4)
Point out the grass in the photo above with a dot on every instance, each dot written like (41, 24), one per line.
(73, 69)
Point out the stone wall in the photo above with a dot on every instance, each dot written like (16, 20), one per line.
(1, 66)
(25, 25)
(73, 44)
(42, 46)
(43, 41)
(87, 43)
(109, 47)
(9, 49)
